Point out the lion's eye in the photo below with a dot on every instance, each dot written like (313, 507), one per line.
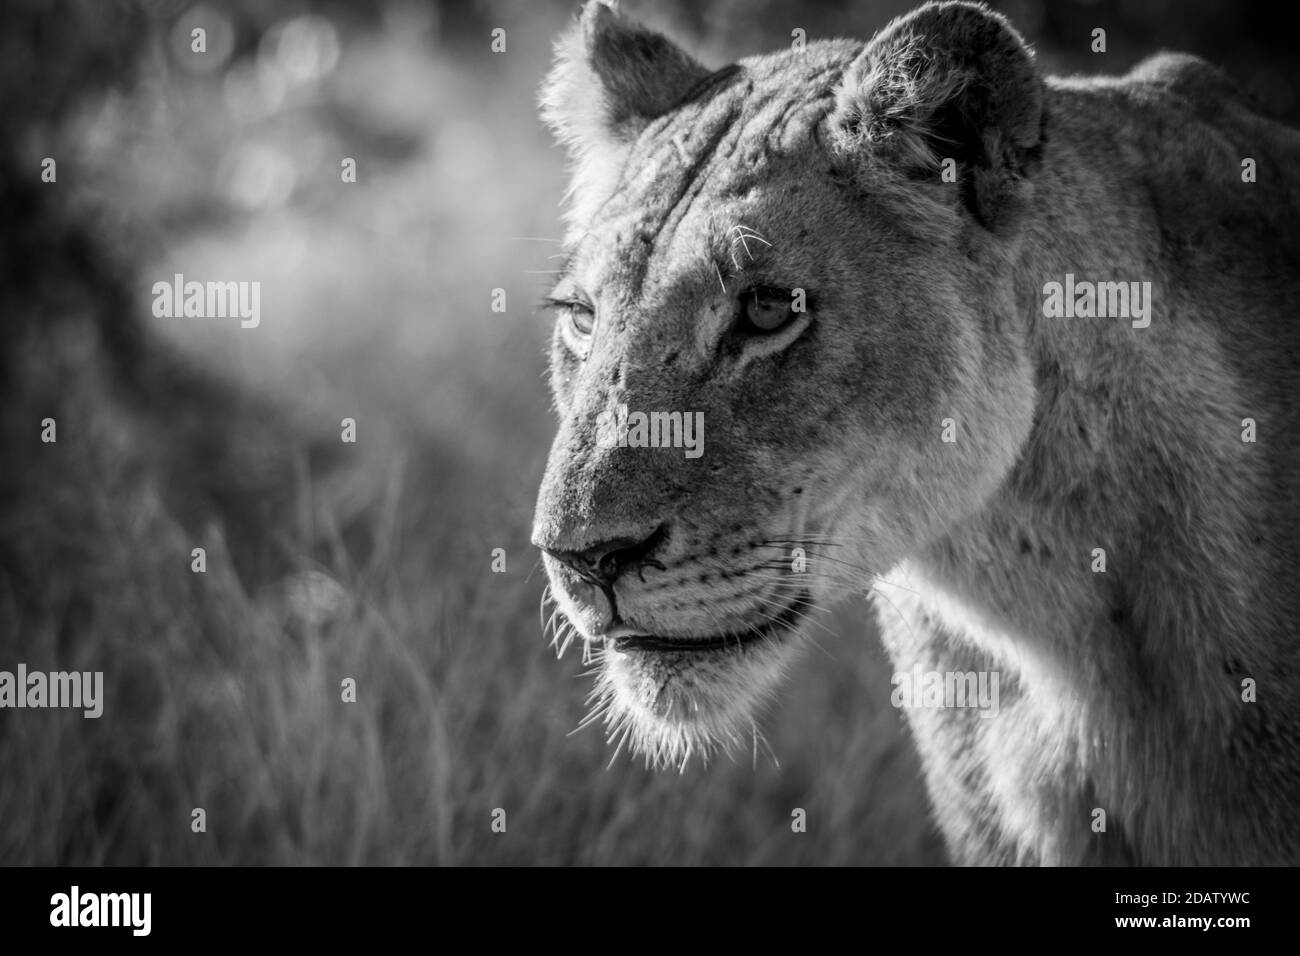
(576, 313)
(767, 309)
(580, 316)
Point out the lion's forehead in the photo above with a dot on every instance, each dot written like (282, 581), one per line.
(718, 147)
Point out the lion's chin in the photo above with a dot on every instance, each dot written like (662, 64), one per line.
(668, 705)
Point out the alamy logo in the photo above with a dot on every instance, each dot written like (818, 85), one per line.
(208, 300)
(56, 689)
(921, 688)
(622, 429)
(1100, 300)
(102, 909)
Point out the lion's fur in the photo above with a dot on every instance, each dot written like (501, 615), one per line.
(1122, 690)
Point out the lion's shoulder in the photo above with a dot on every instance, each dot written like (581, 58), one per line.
(1187, 76)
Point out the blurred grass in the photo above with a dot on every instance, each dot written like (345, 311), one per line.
(327, 560)
(221, 695)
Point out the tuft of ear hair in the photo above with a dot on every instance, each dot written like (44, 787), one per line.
(949, 80)
(611, 77)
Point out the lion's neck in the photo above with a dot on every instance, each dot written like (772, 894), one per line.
(1134, 460)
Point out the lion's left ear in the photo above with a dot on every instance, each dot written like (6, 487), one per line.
(949, 81)
(611, 77)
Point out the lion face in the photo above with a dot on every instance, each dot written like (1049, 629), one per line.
(763, 341)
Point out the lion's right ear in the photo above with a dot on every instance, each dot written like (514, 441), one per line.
(611, 77)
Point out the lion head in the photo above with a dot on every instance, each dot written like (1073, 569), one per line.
(768, 264)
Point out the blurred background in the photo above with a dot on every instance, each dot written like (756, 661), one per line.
(372, 560)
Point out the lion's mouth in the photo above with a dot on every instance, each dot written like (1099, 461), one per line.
(772, 630)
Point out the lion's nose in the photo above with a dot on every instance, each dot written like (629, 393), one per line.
(603, 562)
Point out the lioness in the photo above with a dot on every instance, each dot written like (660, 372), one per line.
(866, 266)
